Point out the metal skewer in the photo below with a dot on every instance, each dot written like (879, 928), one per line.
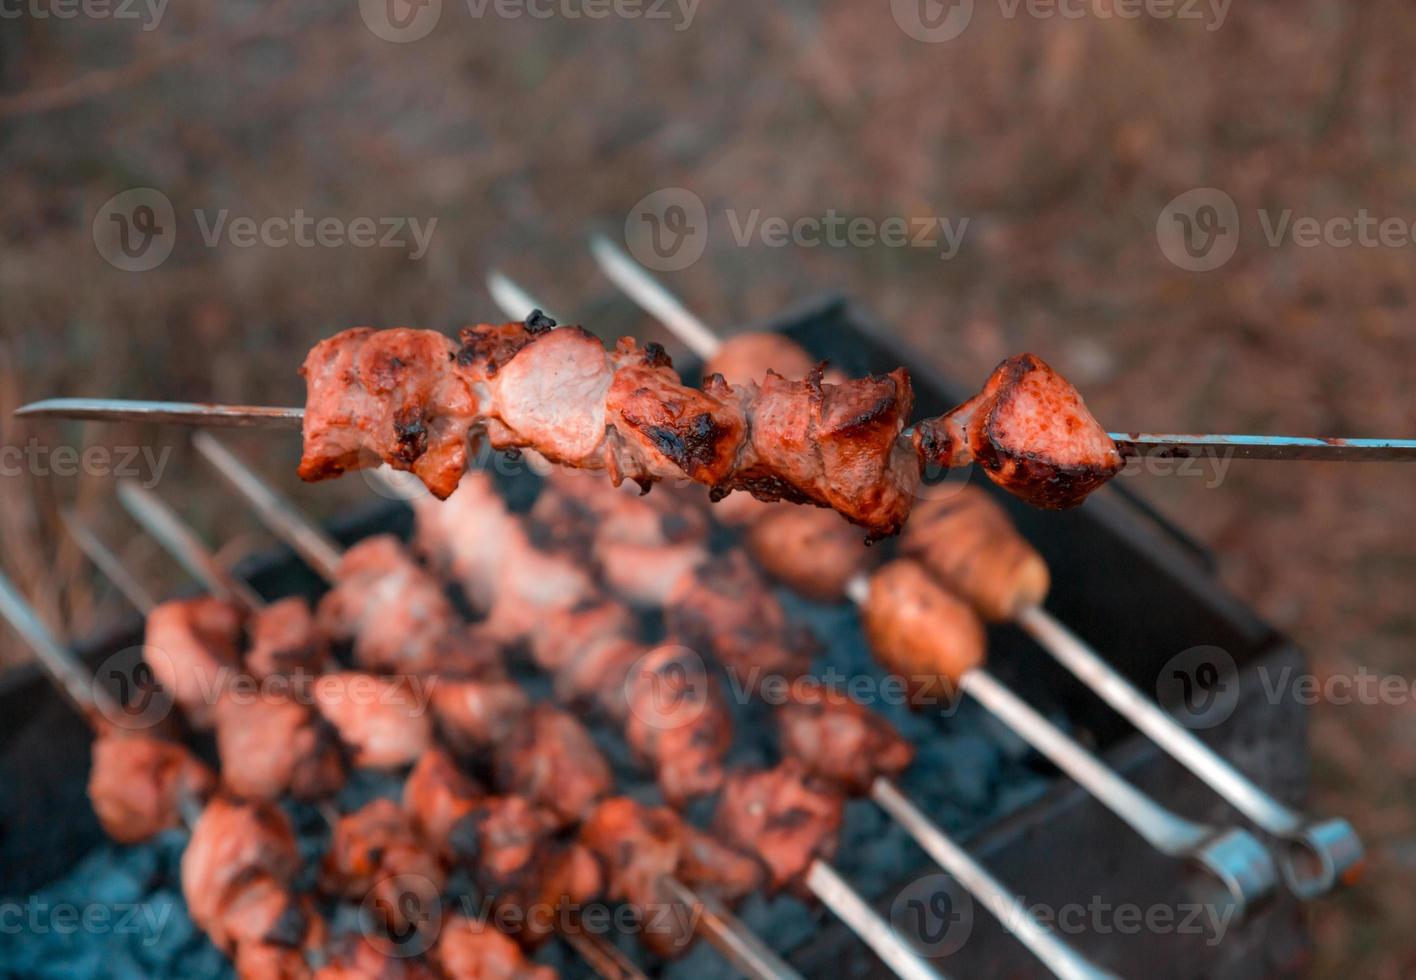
(1320, 852)
(1232, 857)
(713, 920)
(1060, 958)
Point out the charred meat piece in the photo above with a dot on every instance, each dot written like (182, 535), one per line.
(471, 950)
(284, 641)
(839, 740)
(384, 721)
(437, 795)
(356, 957)
(475, 714)
(677, 722)
(968, 542)
(812, 551)
(641, 845)
(598, 675)
(474, 539)
(236, 871)
(376, 858)
(565, 633)
(393, 610)
(1030, 431)
(271, 744)
(193, 647)
(727, 610)
(920, 631)
(833, 445)
(285, 955)
(523, 864)
(551, 760)
(391, 396)
(784, 817)
(372, 398)
(139, 784)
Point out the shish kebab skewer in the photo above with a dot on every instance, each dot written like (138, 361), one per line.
(901, 599)
(959, 537)
(183, 544)
(733, 939)
(1060, 958)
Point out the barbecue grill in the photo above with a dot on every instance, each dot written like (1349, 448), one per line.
(1125, 579)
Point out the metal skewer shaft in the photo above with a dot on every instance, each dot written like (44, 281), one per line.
(182, 543)
(1320, 851)
(838, 896)
(649, 294)
(713, 921)
(108, 563)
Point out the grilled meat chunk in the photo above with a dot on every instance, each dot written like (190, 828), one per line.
(272, 744)
(784, 817)
(138, 784)
(437, 795)
(967, 541)
(812, 551)
(919, 630)
(193, 647)
(236, 871)
(377, 857)
(641, 845)
(356, 957)
(728, 611)
(387, 396)
(284, 641)
(468, 949)
(382, 720)
(677, 722)
(565, 634)
(1030, 431)
(396, 613)
(839, 740)
(402, 400)
(475, 714)
(551, 760)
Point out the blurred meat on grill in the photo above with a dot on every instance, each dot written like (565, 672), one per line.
(139, 784)
(193, 647)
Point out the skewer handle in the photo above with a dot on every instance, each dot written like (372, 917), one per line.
(309, 540)
(651, 296)
(874, 931)
(1009, 910)
(180, 541)
(1321, 852)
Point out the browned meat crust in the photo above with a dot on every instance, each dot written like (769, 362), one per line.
(1030, 431)
(406, 398)
(376, 857)
(784, 817)
(138, 784)
(727, 611)
(812, 551)
(474, 714)
(840, 740)
(640, 845)
(437, 796)
(968, 542)
(920, 631)
(383, 721)
(551, 760)
(193, 647)
(271, 744)
(471, 950)
(678, 723)
(284, 640)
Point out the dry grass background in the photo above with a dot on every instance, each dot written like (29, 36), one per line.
(1061, 141)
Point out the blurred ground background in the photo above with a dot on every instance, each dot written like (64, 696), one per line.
(1061, 140)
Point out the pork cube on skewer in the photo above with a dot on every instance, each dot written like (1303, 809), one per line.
(236, 871)
(782, 815)
(271, 744)
(437, 795)
(468, 949)
(284, 641)
(677, 722)
(473, 714)
(641, 845)
(812, 551)
(376, 856)
(551, 760)
(139, 784)
(838, 739)
(1030, 431)
(384, 721)
(193, 647)
(921, 632)
(356, 957)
